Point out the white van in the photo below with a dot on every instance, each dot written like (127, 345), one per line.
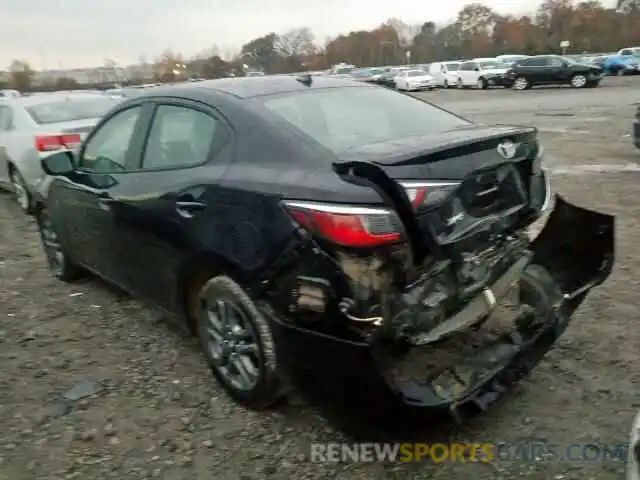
(445, 73)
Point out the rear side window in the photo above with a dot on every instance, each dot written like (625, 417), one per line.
(353, 117)
(70, 110)
(179, 137)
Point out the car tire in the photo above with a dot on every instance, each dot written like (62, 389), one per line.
(578, 81)
(237, 341)
(445, 84)
(482, 84)
(520, 83)
(20, 191)
(459, 84)
(59, 262)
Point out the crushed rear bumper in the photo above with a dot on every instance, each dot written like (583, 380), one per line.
(576, 248)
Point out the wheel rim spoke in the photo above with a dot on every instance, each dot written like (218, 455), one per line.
(231, 343)
(51, 244)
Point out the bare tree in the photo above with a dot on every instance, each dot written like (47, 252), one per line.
(296, 43)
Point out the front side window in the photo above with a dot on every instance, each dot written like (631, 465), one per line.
(179, 137)
(353, 117)
(106, 150)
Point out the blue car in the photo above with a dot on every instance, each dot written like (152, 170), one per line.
(622, 65)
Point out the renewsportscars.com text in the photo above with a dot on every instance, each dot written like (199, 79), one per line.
(469, 452)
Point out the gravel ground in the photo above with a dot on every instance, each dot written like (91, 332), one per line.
(151, 409)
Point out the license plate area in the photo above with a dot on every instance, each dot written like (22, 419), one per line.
(484, 202)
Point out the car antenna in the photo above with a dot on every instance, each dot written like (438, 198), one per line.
(306, 79)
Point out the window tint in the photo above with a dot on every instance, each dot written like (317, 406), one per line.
(532, 62)
(465, 67)
(452, 67)
(353, 117)
(179, 136)
(558, 62)
(106, 150)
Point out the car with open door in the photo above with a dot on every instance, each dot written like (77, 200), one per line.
(315, 231)
(32, 127)
(553, 70)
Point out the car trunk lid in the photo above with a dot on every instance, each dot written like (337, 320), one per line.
(453, 185)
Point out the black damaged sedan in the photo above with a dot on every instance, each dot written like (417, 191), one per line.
(317, 232)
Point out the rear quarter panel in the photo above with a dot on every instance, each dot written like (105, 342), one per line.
(20, 152)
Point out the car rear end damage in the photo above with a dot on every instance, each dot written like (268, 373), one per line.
(433, 303)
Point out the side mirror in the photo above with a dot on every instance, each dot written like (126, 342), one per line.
(61, 163)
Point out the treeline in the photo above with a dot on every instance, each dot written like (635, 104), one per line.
(478, 31)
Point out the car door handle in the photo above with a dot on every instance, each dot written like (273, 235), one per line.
(104, 201)
(187, 207)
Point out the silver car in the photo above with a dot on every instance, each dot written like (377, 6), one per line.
(32, 127)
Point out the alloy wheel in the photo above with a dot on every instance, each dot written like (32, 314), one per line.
(51, 244)
(231, 342)
(578, 81)
(520, 83)
(20, 191)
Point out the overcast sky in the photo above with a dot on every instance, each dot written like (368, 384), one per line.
(78, 33)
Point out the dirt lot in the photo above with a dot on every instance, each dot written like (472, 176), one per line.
(159, 414)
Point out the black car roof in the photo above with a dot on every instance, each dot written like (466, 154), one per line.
(247, 87)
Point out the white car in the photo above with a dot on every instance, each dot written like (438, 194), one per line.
(633, 466)
(629, 51)
(414, 79)
(445, 73)
(482, 74)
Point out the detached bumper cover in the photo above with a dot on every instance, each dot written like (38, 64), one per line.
(577, 249)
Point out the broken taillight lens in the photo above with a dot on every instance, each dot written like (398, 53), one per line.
(428, 194)
(348, 226)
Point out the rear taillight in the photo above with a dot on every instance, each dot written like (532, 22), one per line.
(50, 143)
(348, 226)
(427, 194)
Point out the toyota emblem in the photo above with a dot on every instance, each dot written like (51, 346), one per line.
(507, 149)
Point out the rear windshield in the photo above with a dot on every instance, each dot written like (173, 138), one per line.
(452, 66)
(353, 117)
(68, 110)
(416, 73)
